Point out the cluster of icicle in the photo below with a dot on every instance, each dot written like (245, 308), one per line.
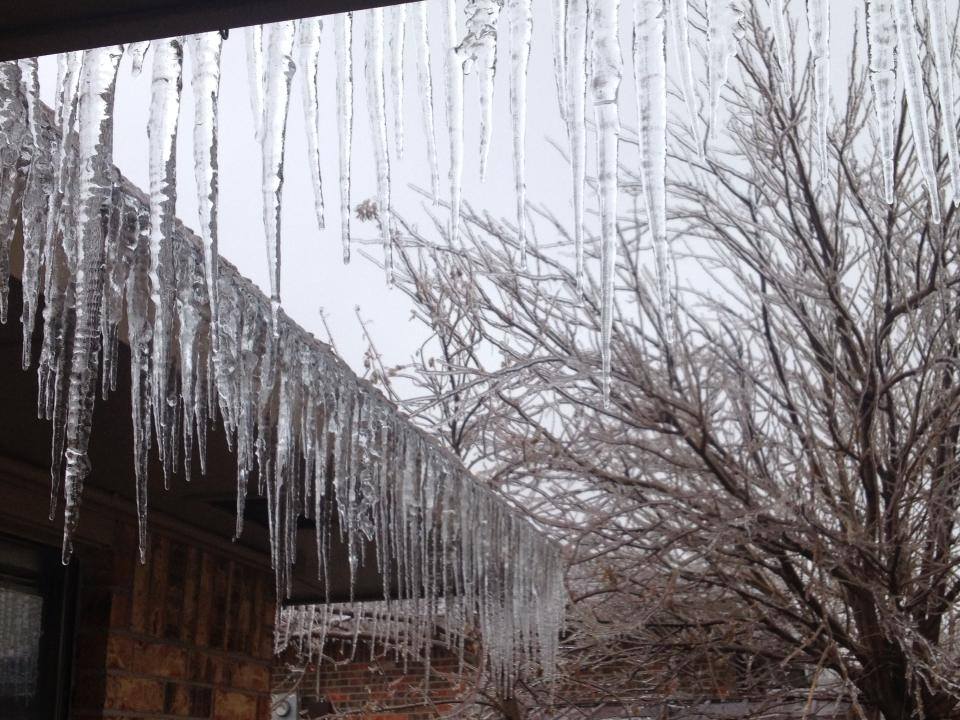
(508, 610)
(588, 62)
(308, 435)
(20, 626)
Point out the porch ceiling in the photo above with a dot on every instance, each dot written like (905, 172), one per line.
(43, 27)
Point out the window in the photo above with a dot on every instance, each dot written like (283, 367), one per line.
(36, 607)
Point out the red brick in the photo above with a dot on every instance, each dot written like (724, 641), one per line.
(134, 694)
(250, 676)
(119, 655)
(229, 705)
(159, 659)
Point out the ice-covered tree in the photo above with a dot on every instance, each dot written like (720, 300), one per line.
(768, 507)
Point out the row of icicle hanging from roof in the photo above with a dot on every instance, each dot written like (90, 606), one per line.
(588, 64)
(322, 443)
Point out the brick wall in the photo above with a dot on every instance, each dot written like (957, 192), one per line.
(381, 688)
(187, 635)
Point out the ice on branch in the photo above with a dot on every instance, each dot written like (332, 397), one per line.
(818, 19)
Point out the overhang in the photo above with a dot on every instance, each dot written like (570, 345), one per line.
(43, 27)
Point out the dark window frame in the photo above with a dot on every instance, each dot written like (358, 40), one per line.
(57, 584)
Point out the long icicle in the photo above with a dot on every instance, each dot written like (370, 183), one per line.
(95, 186)
(162, 131)
(941, 38)
(782, 41)
(454, 104)
(882, 45)
(206, 49)
(376, 106)
(478, 51)
(280, 69)
(723, 18)
(650, 71)
(398, 32)
(576, 67)
(818, 18)
(256, 76)
(309, 64)
(425, 86)
(607, 73)
(343, 49)
(909, 53)
(680, 39)
(560, 12)
(520, 17)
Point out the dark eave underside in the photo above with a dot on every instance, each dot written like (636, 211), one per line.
(43, 27)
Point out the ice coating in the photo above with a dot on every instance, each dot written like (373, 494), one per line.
(343, 51)
(398, 32)
(205, 50)
(941, 39)
(782, 40)
(166, 88)
(607, 65)
(650, 71)
(723, 20)
(680, 40)
(425, 87)
(881, 46)
(309, 41)
(138, 53)
(280, 67)
(256, 75)
(818, 19)
(909, 53)
(95, 182)
(576, 84)
(454, 105)
(520, 16)
(478, 52)
(376, 106)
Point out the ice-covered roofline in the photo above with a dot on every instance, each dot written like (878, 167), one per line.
(321, 442)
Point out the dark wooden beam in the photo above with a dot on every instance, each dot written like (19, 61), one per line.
(43, 27)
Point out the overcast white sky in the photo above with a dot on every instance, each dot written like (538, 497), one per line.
(313, 275)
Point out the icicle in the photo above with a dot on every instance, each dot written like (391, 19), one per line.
(94, 194)
(162, 132)
(650, 71)
(31, 93)
(309, 63)
(818, 18)
(576, 65)
(398, 27)
(909, 53)
(343, 49)
(206, 49)
(479, 50)
(941, 37)
(280, 69)
(782, 40)
(723, 20)
(378, 131)
(137, 52)
(425, 86)
(139, 331)
(560, 30)
(607, 72)
(881, 43)
(680, 39)
(521, 29)
(454, 104)
(34, 227)
(256, 75)
(13, 136)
